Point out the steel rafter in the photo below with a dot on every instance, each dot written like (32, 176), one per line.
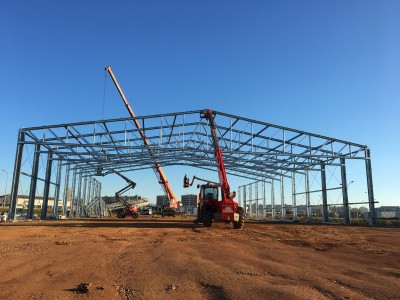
(249, 146)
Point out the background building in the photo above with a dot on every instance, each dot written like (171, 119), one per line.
(189, 204)
(161, 200)
(23, 200)
(388, 212)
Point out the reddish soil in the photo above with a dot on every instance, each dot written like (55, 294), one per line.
(170, 258)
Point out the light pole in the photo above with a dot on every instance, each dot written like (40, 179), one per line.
(350, 183)
(5, 190)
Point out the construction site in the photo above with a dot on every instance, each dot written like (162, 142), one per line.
(287, 232)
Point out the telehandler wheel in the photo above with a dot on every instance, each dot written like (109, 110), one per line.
(135, 215)
(239, 224)
(207, 220)
(121, 215)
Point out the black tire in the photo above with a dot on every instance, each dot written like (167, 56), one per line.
(121, 215)
(207, 219)
(239, 224)
(135, 215)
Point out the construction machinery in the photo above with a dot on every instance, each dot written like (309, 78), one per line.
(169, 208)
(213, 206)
(128, 209)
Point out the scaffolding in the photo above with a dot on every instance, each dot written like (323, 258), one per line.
(270, 156)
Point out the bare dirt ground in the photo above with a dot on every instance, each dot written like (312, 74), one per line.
(170, 258)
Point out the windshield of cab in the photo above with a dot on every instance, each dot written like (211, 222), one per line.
(210, 193)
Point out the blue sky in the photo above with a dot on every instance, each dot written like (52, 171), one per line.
(327, 67)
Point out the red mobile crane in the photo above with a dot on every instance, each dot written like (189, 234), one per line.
(210, 208)
(170, 207)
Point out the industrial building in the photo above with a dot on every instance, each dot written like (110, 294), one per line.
(278, 165)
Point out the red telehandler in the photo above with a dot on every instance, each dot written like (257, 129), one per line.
(210, 207)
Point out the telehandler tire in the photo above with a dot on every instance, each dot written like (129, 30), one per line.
(207, 219)
(239, 224)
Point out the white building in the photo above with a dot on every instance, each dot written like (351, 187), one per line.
(23, 201)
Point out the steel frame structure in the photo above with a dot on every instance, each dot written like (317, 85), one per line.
(255, 150)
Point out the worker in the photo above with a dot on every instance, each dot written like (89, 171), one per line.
(109, 212)
(186, 182)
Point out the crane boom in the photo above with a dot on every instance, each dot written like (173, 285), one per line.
(162, 179)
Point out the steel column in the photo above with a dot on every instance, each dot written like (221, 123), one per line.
(283, 209)
(89, 198)
(239, 196)
(244, 201)
(57, 189)
(66, 187)
(79, 197)
(273, 210)
(346, 211)
(46, 190)
(264, 201)
(324, 194)
(90, 190)
(73, 192)
(371, 198)
(308, 205)
(251, 201)
(256, 192)
(84, 196)
(32, 191)
(102, 204)
(15, 181)
(294, 204)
